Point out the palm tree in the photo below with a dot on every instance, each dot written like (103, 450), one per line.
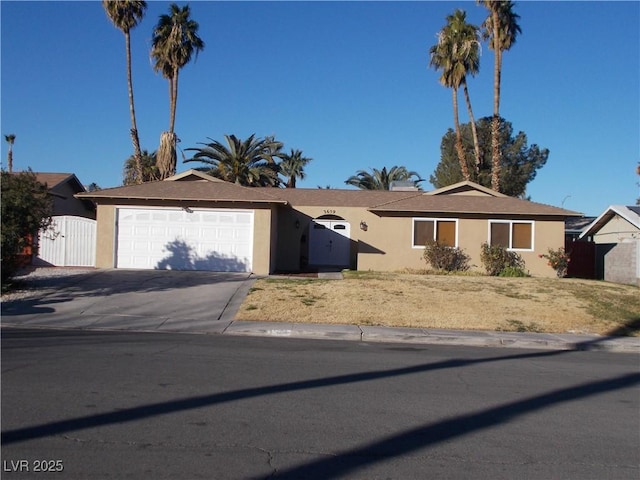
(175, 40)
(149, 169)
(11, 138)
(250, 162)
(125, 15)
(501, 29)
(292, 167)
(457, 54)
(382, 179)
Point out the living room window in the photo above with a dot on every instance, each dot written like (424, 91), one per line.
(510, 234)
(445, 232)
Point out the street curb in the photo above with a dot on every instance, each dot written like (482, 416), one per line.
(436, 336)
(230, 310)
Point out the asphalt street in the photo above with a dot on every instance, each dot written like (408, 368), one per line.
(117, 405)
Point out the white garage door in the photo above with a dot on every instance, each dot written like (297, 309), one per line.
(178, 239)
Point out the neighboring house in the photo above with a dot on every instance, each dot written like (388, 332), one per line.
(616, 233)
(63, 187)
(193, 221)
(574, 226)
(70, 240)
(582, 254)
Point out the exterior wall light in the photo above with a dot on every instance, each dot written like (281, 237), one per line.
(364, 226)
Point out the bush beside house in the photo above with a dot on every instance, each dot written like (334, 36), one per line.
(26, 209)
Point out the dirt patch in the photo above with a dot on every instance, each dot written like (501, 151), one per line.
(448, 301)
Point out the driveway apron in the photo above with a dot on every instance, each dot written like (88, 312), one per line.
(136, 300)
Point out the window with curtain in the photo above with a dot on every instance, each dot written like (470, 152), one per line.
(511, 234)
(442, 231)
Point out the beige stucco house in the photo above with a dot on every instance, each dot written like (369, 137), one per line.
(194, 221)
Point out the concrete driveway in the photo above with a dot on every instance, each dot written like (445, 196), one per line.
(137, 300)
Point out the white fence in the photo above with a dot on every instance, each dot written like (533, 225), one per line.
(69, 242)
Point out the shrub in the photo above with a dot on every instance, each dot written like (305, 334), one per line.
(26, 208)
(512, 272)
(558, 260)
(450, 259)
(497, 258)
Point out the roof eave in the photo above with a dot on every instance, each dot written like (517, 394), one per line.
(605, 216)
(174, 199)
(474, 212)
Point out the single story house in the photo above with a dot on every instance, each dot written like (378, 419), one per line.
(193, 221)
(616, 234)
(62, 187)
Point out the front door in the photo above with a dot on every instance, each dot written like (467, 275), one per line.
(329, 243)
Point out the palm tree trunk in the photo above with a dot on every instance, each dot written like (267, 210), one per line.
(496, 159)
(10, 158)
(474, 131)
(173, 100)
(137, 154)
(165, 157)
(459, 148)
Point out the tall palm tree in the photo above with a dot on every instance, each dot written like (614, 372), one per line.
(125, 15)
(250, 162)
(382, 179)
(174, 42)
(292, 167)
(501, 29)
(11, 138)
(457, 55)
(149, 169)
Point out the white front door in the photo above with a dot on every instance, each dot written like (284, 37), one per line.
(329, 243)
(184, 239)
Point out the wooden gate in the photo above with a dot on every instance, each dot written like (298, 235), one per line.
(582, 262)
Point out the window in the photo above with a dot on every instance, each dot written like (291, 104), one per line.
(511, 235)
(445, 232)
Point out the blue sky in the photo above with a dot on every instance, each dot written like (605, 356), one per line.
(347, 83)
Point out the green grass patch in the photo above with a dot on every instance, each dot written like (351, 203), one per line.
(364, 275)
(519, 326)
(309, 301)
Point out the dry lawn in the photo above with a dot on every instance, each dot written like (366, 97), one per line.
(450, 302)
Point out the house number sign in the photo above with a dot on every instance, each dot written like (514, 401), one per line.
(327, 211)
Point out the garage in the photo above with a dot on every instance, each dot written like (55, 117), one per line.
(184, 239)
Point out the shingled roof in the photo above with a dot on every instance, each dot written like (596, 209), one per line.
(469, 204)
(196, 186)
(189, 186)
(340, 198)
